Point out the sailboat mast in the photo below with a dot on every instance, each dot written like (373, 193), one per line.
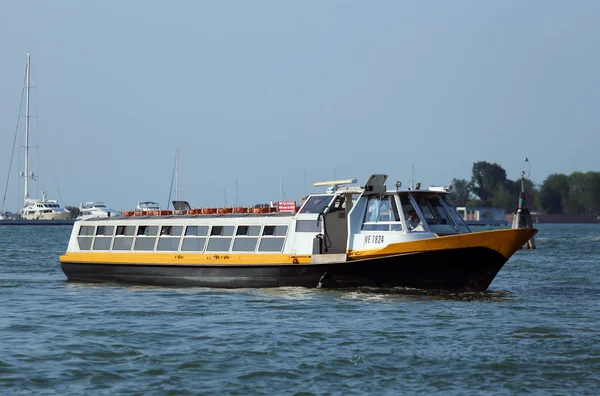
(26, 196)
(177, 175)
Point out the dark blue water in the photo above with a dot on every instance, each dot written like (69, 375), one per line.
(536, 330)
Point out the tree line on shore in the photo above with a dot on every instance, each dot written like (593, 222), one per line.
(574, 194)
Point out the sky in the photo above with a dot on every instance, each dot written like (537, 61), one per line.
(264, 98)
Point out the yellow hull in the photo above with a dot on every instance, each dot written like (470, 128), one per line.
(506, 242)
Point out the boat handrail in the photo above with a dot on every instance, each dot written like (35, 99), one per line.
(205, 211)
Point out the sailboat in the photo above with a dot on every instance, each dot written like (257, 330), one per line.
(36, 209)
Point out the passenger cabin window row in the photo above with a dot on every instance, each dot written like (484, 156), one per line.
(171, 238)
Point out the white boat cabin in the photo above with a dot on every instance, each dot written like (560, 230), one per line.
(341, 220)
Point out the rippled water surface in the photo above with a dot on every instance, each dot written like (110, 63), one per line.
(536, 330)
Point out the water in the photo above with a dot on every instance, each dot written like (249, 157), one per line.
(536, 330)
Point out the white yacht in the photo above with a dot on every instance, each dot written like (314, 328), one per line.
(93, 210)
(148, 206)
(43, 209)
(36, 209)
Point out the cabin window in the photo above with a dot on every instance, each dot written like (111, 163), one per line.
(246, 238)
(248, 230)
(382, 214)
(273, 238)
(102, 242)
(435, 214)
(221, 231)
(171, 230)
(407, 207)
(458, 220)
(125, 230)
(195, 239)
(84, 240)
(147, 230)
(85, 243)
(245, 244)
(168, 243)
(275, 230)
(144, 243)
(316, 203)
(105, 230)
(196, 231)
(170, 236)
(308, 226)
(193, 244)
(271, 244)
(218, 244)
(86, 230)
(122, 243)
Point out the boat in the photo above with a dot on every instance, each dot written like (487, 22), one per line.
(43, 209)
(147, 206)
(91, 210)
(347, 237)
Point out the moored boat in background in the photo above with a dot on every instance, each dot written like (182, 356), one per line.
(347, 237)
(91, 210)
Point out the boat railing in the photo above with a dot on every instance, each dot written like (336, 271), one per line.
(205, 211)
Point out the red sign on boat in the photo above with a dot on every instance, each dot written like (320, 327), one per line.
(286, 206)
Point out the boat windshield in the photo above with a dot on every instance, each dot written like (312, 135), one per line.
(316, 203)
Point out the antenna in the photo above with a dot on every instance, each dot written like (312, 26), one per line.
(305, 182)
(412, 177)
(281, 190)
(236, 193)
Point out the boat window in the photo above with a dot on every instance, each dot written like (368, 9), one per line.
(122, 243)
(86, 230)
(147, 230)
(221, 231)
(125, 230)
(435, 214)
(102, 243)
(218, 244)
(339, 205)
(171, 230)
(245, 244)
(271, 244)
(458, 220)
(407, 207)
(84, 242)
(193, 244)
(105, 230)
(279, 230)
(382, 214)
(168, 243)
(316, 203)
(308, 226)
(248, 230)
(196, 231)
(144, 243)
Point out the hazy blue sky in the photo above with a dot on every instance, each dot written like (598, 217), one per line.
(258, 90)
